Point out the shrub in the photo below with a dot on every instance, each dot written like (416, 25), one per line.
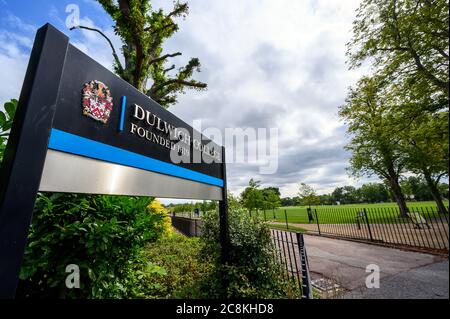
(252, 271)
(103, 235)
(175, 267)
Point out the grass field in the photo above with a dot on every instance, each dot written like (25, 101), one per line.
(382, 213)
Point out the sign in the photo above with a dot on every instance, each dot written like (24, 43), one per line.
(81, 129)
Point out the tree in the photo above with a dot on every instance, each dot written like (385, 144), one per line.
(374, 145)
(345, 194)
(426, 145)
(252, 197)
(373, 193)
(416, 188)
(271, 198)
(326, 199)
(289, 201)
(307, 195)
(407, 40)
(143, 32)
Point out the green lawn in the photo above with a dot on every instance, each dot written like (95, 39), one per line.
(346, 214)
(291, 228)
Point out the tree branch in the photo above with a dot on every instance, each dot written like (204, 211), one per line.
(439, 83)
(164, 57)
(177, 10)
(392, 49)
(169, 69)
(182, 82)
(171, 24)
(114, 53)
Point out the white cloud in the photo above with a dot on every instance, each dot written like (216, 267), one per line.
(267, 63)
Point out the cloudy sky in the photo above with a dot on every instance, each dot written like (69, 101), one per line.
(268, 64)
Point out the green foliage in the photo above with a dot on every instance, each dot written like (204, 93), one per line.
(374, 126)
(179, 267)
(252, 196)
(407, 41)
(373, 193)
(143, 31)
(399, 116)
(6, 120)
(271, 198)
(204, 206)
(252, 271)
(307, 195)
(103, 235)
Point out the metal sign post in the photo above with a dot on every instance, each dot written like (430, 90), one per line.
(81, 129)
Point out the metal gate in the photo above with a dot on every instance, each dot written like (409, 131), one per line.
(291, 253)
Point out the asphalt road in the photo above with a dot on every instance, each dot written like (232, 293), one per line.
(403, 274)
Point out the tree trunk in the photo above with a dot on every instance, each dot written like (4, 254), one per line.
(398, 196)
(435, 192)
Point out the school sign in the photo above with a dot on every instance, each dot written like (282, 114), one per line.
(81, 129)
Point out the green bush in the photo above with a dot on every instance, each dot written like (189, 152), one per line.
(103, 235)
(252, 271)
(174, 267)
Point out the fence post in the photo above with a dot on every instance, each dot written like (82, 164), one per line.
(195, 227)
(368, 225)
(317, 221)
(285, 216)
(306, 279)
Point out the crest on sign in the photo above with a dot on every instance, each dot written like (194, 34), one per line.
(97, 101)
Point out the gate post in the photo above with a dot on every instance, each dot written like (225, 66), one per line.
(224, 227)
(317, 221)
(368, 225)
(306, 278)
(285, 216)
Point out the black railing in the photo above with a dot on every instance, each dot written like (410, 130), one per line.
(190, 227)
(422, 227)
(290, 251)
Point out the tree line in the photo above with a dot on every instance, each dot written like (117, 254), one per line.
(414, 188)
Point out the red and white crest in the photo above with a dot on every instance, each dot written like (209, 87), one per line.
(97, 101)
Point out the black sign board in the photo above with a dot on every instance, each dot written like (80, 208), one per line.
(80, 128)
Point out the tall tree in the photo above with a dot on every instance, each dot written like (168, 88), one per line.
(345, 194)
(271, 198)
(252, 196)
(426, 146)
(143, 32)
(407, 41)
(373, 193)
(307, 195)
(373, 126)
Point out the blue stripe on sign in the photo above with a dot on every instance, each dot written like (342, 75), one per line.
(70, 143)
(122, 112)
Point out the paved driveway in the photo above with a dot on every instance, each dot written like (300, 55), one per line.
(403, 274)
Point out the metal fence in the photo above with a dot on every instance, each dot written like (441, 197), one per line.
(190, 227)
(290, 251)
(423, 227)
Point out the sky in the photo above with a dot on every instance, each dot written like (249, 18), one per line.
(268, 64)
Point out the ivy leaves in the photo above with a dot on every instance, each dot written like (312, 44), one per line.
(6, 120)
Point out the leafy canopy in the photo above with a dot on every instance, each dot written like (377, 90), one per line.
(143, 31)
